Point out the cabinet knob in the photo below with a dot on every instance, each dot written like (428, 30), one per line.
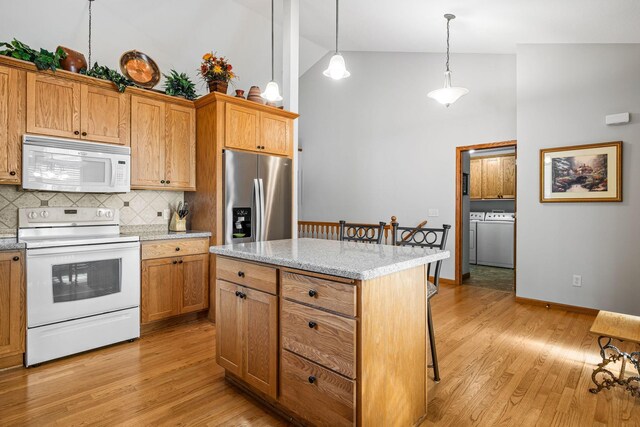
(313, 293)
(175, 262)
(312, 379)
(12, 173)
(312, 325)
(16, 258)
(178, 249)
(238, 293)
(240, 273)
(162, 181)
(243, 295)
(168, 182)
(77, 132)
(180, 262)
(84, 134)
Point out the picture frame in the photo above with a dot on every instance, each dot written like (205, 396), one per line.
(581, 173)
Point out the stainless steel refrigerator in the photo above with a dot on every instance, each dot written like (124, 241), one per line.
(257, 197)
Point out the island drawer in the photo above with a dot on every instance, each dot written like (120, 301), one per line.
(317, 395)
(174, 247)
(256, 276)
(322, 337)
(322, 293)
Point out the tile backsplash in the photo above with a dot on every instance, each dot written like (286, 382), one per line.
(138, 209)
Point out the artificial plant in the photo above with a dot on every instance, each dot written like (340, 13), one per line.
(179, 84)
(105, 73)
(43, 59)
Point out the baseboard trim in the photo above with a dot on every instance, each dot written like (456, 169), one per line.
(557, 306)
(12, 361)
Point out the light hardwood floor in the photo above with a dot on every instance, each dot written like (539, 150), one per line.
(502, 363)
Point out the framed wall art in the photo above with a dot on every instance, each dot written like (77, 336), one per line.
(581, 173)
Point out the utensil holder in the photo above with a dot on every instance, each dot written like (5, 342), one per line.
(177, 224)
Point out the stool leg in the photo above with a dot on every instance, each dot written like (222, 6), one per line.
(432, 344)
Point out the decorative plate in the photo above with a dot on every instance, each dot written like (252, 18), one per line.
(140, 69)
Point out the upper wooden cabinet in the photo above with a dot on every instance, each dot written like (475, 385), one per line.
(275, 134)
(241, 128)
(12, 123)
(493, 177)
(163, 145)
(61, 107)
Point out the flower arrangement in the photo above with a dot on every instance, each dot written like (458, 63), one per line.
(216, 68)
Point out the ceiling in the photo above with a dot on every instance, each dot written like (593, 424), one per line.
(487, 26)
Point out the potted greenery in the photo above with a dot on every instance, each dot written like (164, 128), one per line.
(179, 84)
(105, 73)
(43, 59)
(216, 71)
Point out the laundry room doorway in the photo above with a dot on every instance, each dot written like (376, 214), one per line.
(486, 185)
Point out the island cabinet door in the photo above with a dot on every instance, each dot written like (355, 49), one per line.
(105, 115)
(260, 318)
(53, 106)
(229, 327)
(194, 280)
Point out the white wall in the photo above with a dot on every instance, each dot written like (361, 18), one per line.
(375, 145)
(175, 34)
(564, 93)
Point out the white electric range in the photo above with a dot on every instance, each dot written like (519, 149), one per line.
(83, 281)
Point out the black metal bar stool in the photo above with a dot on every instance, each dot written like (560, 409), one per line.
(367, 233)
(434, 238)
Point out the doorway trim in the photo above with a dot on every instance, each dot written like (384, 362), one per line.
(459, 151)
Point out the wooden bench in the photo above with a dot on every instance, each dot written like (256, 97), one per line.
(622, 327)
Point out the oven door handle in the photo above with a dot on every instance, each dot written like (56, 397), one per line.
(113, 248)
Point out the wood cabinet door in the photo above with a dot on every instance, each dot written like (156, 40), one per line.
(508, 177)
(104, 115)
(275, 134)
(12, 303)
(241, 127)
(475, 179)
(260, 319)
(147, 143)
(491, 178)
(194, 283)
(229, 336)
(12, 124)
(180, 147)
(160, 289)
(53, 106)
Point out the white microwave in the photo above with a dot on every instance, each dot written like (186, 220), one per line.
(57, 164)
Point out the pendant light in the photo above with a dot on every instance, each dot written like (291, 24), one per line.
(337, 69)
(449, 94)
(272, 92)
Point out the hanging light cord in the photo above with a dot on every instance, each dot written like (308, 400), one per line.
(272, 44)
(90, 3)
(448, 21)
(337, 26)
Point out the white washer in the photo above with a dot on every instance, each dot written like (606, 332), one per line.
(474, 217)
(495, 240)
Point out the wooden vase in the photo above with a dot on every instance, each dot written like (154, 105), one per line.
(74, 61)
(239, 93)
(218, 86)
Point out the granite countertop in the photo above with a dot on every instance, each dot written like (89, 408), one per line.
(168, 235)
(360, 261)
(10, 244)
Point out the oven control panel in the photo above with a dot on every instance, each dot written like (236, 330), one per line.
(75, 215)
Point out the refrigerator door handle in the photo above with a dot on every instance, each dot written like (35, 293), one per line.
(262, 219)
(257, 202)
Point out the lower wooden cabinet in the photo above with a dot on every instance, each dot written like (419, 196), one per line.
(247, 335)
(174, 285)
(12, 307)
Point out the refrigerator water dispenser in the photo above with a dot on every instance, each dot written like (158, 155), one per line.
(241, 223)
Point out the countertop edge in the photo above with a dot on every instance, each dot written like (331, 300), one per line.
(11, 244)
(331, 271)
(173, 235)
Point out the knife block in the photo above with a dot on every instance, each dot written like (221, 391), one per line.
(177, 224)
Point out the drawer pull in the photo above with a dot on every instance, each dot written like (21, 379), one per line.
(240, 273)
(313, 293)
(180, 262)
(76, 132)
(312, 325)
(238, 293)
(162, 181)
(312, 379)
(16, 258)
(178, 249)
(12, 173)
(242, 295)
(175, 262)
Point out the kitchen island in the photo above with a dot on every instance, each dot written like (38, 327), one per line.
(326, 332)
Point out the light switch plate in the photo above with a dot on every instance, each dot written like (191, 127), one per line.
(577, 280)
(434, 212)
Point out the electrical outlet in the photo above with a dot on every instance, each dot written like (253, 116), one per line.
(433, 212)
(166, 214)
(577, 280)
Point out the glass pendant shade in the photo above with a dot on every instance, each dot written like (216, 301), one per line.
(337, 68)
(272, 92)
(448, 94)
